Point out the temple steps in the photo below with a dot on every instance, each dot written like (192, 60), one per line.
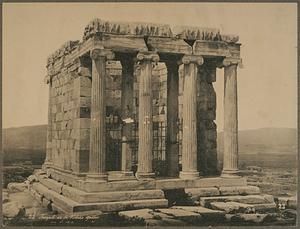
(212, 193)
(68, 205)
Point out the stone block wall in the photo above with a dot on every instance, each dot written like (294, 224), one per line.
(70, 97)
(70, 107)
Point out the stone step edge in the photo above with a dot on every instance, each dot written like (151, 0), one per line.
(244, 208)
(114, 196)
(222, 191)
(67, 190)
(260, 199)
(67, 205)
(163, 184)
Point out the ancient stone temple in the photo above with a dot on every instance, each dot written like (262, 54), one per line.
(131, 114)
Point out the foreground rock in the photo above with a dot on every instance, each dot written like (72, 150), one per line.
(232, 207)
(17, 187)
(21, 204)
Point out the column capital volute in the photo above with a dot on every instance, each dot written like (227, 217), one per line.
(196, 59)
(150, 56)
(106, 53)
(231, 61)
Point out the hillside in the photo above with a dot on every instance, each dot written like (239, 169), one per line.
(24, 144)
(27, 137)
(265, 140)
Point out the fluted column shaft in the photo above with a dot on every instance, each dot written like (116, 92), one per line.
(97, 156)
(189, 115)
(145, 115)
(230, 162)
(172, 146)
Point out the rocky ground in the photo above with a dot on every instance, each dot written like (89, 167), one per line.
(20, 208)
(280, 182)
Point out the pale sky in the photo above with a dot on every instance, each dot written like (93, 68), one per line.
(267, 85)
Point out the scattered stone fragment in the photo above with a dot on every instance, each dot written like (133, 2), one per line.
(17, 187)
(10, 209)
(262, 208)
(201, 210)
(232, 207)
(32, 178)
(180, 214)
(140, 213)
(251, 218)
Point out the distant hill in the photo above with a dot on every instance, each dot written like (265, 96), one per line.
(27, 137)
(26, 143)
(265, 140)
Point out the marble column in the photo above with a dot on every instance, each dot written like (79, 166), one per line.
(172, 146)
(145, 131)
(97, 170)
(127, 113)
(230, 161)
(189, 115)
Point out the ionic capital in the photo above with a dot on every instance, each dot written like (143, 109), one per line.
(106, 53)
(231, 61)
(150, 56)
(196, 59)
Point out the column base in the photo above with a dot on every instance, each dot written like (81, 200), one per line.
(97, 177)
(145, 176)
(46, 165)
(230, 173)
(189, 175)
(120, 175)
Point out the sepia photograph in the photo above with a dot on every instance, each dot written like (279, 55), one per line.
(126, 114)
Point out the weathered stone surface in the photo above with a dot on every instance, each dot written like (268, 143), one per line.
(250, 199)
(142, 29)
(239, 190)
(68, 205)
(196, 33)
(195, 193)
(201, 210)
(122, 205)
(140, 213)
(232, 207)
(267, 207)
(254, 218)
(11, 209)
(84, 197)
(66, 48)
(179, 213)
(21, 204)
(17, 187)
(52, 185)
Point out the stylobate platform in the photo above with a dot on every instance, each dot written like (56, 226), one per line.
(119, 195)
